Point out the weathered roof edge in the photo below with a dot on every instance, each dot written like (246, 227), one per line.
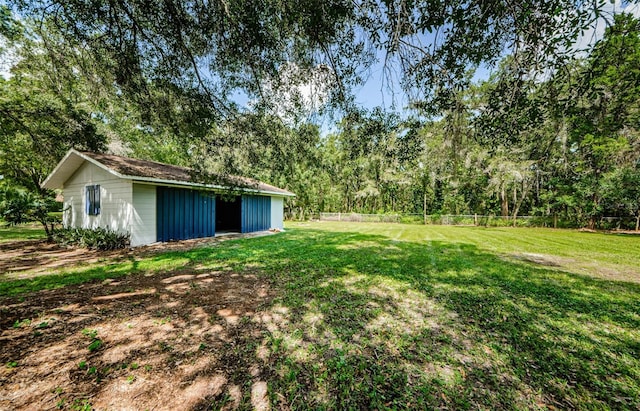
(52, 183)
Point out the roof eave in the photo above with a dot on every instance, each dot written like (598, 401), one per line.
(51, 183)
(47, 181)
(160, 181)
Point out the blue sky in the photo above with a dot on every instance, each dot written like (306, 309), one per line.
(375, 92)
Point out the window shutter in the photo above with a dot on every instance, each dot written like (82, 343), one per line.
(96, 199)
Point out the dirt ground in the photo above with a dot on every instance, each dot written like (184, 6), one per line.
(37, 256)
(22, 259)
(176, 341)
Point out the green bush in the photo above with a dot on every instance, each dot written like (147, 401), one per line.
(412, 219)
(93, 238)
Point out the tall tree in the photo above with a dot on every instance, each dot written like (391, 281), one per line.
(37, 126)
(605, 117)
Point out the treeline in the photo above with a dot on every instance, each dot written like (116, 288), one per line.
(565, 145)
(561, 144)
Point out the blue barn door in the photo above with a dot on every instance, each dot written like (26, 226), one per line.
(256, 213)
(183, 214)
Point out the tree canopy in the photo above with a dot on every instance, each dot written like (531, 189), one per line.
(551, 132)
(211, 50)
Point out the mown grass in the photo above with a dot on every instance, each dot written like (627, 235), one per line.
(20, 232)
(408, 317)
(14, 287)
(100, 271)
(585, 252)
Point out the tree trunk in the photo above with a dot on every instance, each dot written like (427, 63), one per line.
(48, 231)
(592, 218)
(504, 203)
(424, 207)
(638, 221)
(517, 203)
(515, 213)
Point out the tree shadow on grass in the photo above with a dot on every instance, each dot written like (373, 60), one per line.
(366, 322)
(401, 324)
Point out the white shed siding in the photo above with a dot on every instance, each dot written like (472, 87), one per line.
(277, 211)
(115, 200)
(143, 223)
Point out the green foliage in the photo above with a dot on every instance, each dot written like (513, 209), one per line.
(16, 206)
(561, 144)
(90, 333)
(564, 149)
(81, 405)
(204, 54)
(102, 239)
(95, 344)
(19, 206)
(37, 126)
(10, 28)
(40, 120)
(603, 121)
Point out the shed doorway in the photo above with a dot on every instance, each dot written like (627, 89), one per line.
(228, 214)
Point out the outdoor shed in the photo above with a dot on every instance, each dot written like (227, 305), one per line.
(159, 202)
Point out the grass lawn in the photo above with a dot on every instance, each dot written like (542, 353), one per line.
(386, 316)
(20, 232)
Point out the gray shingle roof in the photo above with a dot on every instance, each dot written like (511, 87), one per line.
(132, 167)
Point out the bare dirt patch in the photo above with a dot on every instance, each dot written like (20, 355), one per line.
(181, 340)
(590, 268)
(544, 259)
(38, 256)
(29, 258)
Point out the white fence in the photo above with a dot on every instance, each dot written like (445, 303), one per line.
(476, 219)
(361, 218)
(419, 218)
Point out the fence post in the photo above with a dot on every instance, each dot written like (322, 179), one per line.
(424, 207)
